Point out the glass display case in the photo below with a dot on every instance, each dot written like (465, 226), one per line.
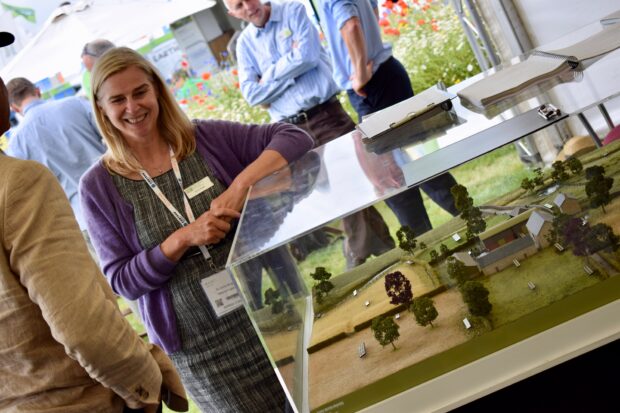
(490, 304)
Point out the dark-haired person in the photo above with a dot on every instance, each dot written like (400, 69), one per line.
(60, 134)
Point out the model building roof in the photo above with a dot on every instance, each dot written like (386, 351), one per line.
(505, 225)
(505, 251)
(562, 197)
(537, 220)
(466, 259)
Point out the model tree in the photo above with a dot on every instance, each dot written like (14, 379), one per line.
(527, 184)
(559, 173)
(539, 179)
(385, 330)
(398, 288)
(424, 310)
(323, 285)
(476, 296)
(406, 239)
(469, 213)
(574, 233)
(598, 186)
(443, 250)
(457, 270)
(423, 246)
(273, 299)
(601, 236)
(574, 165)
(433, 255)
(555, 235)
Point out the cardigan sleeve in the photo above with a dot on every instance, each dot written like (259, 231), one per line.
(48, 254)
(229, 147)
(130, 270)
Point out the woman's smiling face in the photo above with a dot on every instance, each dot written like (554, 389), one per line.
(129, 100)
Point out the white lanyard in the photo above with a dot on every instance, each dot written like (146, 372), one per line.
(168, 204)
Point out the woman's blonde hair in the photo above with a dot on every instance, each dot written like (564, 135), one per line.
(174, 126)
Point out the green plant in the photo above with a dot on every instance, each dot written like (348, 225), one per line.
(385, 330)
(323, 285)
(424, 310)
(406, 239)
(476, 296)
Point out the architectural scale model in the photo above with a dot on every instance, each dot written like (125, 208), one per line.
(549, 244)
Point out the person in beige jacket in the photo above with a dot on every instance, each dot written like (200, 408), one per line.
(64, 345)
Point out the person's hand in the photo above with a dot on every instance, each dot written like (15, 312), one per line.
(232, 198)
(360, 78)
(210, 227)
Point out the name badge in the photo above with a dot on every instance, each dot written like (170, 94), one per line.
(222, 293)
(198, 187)
(286, 33)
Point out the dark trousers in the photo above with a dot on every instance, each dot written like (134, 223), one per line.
(389, 85)
(366, 231)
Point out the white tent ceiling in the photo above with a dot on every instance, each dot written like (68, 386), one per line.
(57, 47)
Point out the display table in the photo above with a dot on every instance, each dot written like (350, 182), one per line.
(325, 355)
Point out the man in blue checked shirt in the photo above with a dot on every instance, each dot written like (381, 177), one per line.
(374, 80)
(283, 67)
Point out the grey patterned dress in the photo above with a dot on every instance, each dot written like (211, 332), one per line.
(222, 363)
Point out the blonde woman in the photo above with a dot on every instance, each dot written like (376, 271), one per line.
(165, 187)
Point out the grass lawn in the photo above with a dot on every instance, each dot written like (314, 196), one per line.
(555, 276)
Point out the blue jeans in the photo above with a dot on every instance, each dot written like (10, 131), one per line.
(389, 85)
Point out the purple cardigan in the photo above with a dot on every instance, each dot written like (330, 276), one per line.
(143, 274)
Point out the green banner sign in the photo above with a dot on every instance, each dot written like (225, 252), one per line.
(25, 12)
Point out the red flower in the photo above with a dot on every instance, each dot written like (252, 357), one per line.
(184, 63)
(195, 97)
(421, 22)
(403, 13)
(384, 22)
(434, 27)
(426, 7)
(235, 72)
(388, 4)
(206, 76)
(183, 101)
(237, 85)
(224, 88)
(210, 107)
(201, 101)
(403, 22)
(402, 4)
